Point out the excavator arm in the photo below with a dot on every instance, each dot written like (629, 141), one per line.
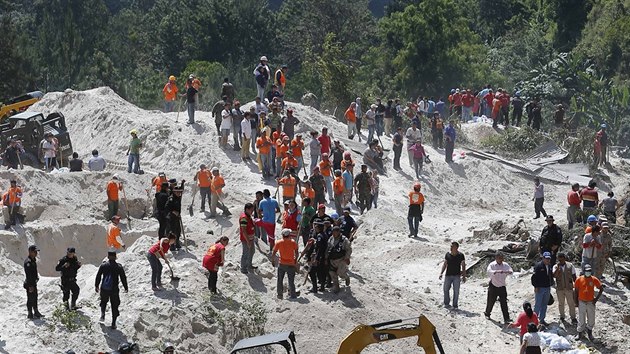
(364, 335)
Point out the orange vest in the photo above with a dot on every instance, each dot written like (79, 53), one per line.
(282, 80)
(157, 182)
(297, 147)
(263, 145)
(416, 198)
(12, 197)
(289, 162)
(338, 185)
(325, 167)
(288, 186)
(112, 190)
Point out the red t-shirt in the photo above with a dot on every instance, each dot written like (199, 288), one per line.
(505, 100)
(522, 320)
(489, 98)
(246, 226)
(468, 100)
(326, 142)
(213, 257)
(457, 99)
(165, 247)
(574, 198)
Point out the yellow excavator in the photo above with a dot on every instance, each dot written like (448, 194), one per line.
(19, 104)
(360, 337)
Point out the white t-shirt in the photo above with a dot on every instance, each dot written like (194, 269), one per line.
(591, 252)
(226, 120)
(370, 115)
(49, 149)
(246, 128)
(413, 136)
(532, 339)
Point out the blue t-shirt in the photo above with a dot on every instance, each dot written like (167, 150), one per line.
(348, 180)
(269, 207)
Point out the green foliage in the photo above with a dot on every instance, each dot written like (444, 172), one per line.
(71, 320)
(515, 142)
(579, 145)
(336, 75)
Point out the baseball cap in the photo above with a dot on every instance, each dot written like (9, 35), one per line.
(587, 267)
(549, 217)
(111, 250)
(346, 209)
(605, 225)
(547, 255)
(33, 248)
(71, 250)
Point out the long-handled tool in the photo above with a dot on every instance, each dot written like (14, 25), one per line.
(179, 108)
(173, 277)
(126, 206)
(146, 206)
(190, 207)
(181, 225)
(305, 173)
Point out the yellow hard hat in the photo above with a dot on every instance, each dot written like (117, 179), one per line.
(133, 131)
(171, 78)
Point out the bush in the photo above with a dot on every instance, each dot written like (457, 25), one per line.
(515, 142)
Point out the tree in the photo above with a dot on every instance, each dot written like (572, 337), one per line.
(336, 74)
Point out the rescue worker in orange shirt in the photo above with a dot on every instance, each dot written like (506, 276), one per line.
(157, 181)
(113, 235)
(338, 188)
(12, 201)
(416, 208)
(170, 94)
(216, 188)
(326, 169)
(297, 146)
(263, 144)
(289, 163)
(203, 177)
(308, 191)
(281, 79)
(113, 187)
(289, 185)
(282, 148)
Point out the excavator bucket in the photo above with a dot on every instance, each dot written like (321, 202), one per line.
(284, 339)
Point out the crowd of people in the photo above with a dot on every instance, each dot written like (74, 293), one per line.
(324, 242)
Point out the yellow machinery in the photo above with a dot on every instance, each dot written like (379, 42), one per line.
(359, 338)
(19, 104)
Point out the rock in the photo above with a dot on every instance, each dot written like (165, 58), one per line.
(453, 325)
(427, 290)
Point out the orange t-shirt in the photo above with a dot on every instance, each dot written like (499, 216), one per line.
(12, 196)
(289, 162)
(157, 182)
(287, 249)
(288, 186)
(263, 145)
(113, 232)
(350, 115)
(281, 149)
(344, 162)
(217, 184)
(308, 193)
(586, 287)
(416, 198)
(170, 91)
(325, 168)
(296, 147)
(112, 190)
(204, 178)
(338, 185)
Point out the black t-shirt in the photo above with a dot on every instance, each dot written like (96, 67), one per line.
(190, 94)
(76, 165)
(454, 263)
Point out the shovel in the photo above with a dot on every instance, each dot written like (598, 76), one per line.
(305, 173)
(181, 225)
(190, 207)
(173, 277)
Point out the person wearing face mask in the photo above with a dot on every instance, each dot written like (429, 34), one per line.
(584, 296)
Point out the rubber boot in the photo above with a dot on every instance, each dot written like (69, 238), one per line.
(589, 332)
(36, 313)
(73, 305)
(102, 319)
(30, 312)
(113, 322)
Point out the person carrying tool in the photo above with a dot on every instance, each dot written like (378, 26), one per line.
(416, 208)
(247, 232)
(30, 283)
(338, 253)
(216, 189)
(319, 186)
(170, 91)
(289, 185)
(12, 203)
(203, 177)
(68, 266)
(287, 263)
(153, 255)
(213, 259)
(173, 210)
(114, 241)
(157, 181)
(297, 147)
(133, 152)
(109, 275)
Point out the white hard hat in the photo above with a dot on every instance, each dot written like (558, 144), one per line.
(263, 58)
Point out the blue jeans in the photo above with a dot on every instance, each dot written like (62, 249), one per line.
(266, 162)
(191, 112)
(247, 256)
(156, 270)
(289, 270)
(375, 199)
(371, 129)
(133, 161)
(414, 224)
(329, 180)
(379, 125)
(314, 160)
(453, 280)
(169, 106)
(300, 160)
(542, 299)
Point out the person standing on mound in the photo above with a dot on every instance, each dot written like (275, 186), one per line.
(109, 275)
(416, 208)
(268, 207)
